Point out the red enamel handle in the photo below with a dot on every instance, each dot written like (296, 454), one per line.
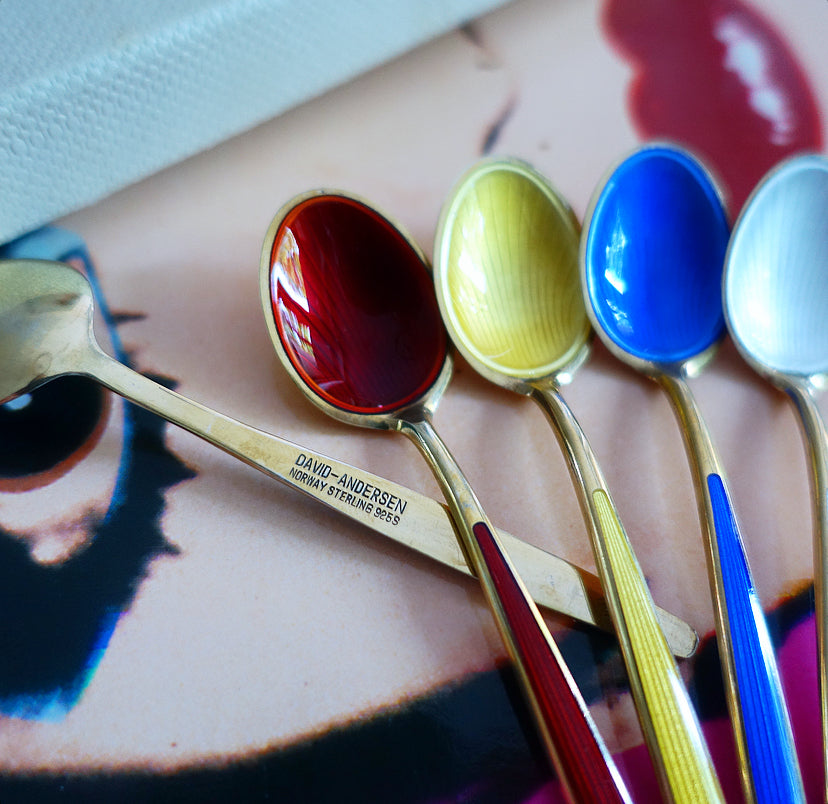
(581, 759)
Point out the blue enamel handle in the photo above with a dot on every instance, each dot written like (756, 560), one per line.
(767, 728)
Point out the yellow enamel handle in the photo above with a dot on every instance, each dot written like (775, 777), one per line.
(686, 761)
(671, 728)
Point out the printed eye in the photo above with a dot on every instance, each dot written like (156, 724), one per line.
(80, 516)
(47, 432)
(62, 446)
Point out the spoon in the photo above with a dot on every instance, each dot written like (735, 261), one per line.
(652, 263)
(508, 286)
(776, 298)
(350, 307)
(46, 331)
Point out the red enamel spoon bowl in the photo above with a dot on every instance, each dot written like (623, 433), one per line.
(350, 306)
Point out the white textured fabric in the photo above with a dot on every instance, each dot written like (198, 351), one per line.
(96, 94)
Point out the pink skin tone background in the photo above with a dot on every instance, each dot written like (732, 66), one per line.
(279, 620)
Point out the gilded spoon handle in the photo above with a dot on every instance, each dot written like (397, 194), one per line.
(816, 441)
(668, 720)
(399, 513)
(573, 744)
(762, 728)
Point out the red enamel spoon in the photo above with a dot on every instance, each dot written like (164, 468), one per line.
(350, 306)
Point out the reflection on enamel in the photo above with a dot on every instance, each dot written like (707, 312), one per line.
(614, 255)
(613, 274)
(614, 260)
(747, 58)
(473, 228)
(622, 319)
(288, 271)
(297, 334)
(471, 272)
(286, 278)
(468, 282)
(473, 222)
(468, 297)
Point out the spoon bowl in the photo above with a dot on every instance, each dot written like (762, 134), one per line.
(44, 322)
(350, 307)
(776, 282)
(505, 248)
(652, 260)
(653, 255)
(508, 286)
(360, 329)
(776, 297)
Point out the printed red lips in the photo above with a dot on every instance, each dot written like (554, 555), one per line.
(716, 76)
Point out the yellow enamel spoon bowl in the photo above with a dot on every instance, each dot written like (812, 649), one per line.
(507, 276)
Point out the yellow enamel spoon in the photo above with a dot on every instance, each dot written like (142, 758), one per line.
(508, 284)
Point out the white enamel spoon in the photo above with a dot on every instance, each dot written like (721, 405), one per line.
(776, 304)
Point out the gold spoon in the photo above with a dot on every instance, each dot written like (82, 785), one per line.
(350, 307)
(508, 284)
(46, 331)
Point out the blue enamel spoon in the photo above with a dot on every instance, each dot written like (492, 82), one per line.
(652, 259)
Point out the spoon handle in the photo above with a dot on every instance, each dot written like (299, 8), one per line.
(816, 442)
(672, 731)
(762, 728)
(578, 753)
(403, 515)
